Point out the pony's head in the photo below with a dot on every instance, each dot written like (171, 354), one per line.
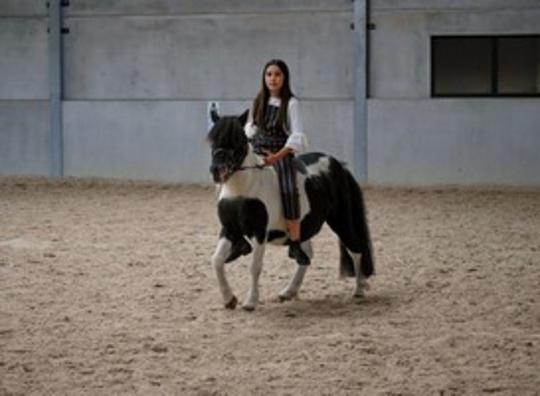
(229, 145)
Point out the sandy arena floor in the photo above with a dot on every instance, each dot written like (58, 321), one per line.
(106, 288)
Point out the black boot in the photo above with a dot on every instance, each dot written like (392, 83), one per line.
(239, 248)
(296, 252)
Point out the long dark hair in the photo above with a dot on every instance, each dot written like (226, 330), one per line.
(259, 104)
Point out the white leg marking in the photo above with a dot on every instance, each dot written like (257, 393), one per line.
(252, 296)
(223, 250)
(293, 287)
(361, 282)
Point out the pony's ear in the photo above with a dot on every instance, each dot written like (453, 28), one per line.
(244, 117)
(214, 116)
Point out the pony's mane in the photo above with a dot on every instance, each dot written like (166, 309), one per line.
(227, 132)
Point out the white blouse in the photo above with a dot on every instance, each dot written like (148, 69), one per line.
(297, 140)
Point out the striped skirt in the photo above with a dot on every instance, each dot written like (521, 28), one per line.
(286, 173)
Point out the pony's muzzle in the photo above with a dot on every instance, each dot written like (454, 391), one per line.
(220, 173)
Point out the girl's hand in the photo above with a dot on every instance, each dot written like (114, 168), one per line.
(270, 158)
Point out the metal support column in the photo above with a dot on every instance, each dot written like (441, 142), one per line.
(360, 90)
(56, 141)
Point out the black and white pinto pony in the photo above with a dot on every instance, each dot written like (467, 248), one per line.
(251, 215)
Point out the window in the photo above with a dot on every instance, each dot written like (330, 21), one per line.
(485, 66)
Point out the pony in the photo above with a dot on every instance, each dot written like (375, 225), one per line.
(250, 210)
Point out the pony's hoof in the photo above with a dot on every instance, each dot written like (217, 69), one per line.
(359, 295)
(248, 308)
(286, 297)
(232, 303)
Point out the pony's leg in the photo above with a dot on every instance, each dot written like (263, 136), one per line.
(292, 288)
(223, 250)
(361, 281)
(252, 296)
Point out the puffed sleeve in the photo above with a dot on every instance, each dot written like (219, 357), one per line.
(250, 128)
(297, 139)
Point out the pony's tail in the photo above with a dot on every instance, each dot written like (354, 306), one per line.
(346, 264)
(367, 265)
(357, 234)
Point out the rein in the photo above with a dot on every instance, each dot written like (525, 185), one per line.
(242, 168)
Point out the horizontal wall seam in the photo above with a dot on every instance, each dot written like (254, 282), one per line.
(25, 17)
(201, 14)
(450, 10)
(10, 100)
(149, 100)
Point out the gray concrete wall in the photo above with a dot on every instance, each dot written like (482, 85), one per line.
(139, 75)
(415, 140)
(400, 52)
(454, 141)
(164, 140)
(24, 137)
(206, 56)
(538, 65)
(24, 125)
(22, 8)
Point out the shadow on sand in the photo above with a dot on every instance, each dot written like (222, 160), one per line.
(330, 307)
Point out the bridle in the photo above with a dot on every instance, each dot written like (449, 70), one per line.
(237, 168)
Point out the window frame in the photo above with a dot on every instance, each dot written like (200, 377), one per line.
(494, 42)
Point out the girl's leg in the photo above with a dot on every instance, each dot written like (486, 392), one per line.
(291, 207)
(293, 227)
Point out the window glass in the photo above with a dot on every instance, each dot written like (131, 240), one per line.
(462, 66)
(518, 65)
(485, 66)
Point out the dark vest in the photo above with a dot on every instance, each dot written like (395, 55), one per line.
(272, 136)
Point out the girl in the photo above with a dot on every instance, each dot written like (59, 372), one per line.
(274, 128)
